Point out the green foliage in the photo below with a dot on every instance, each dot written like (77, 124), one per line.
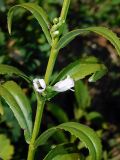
(6, 149)
(1, 108)
(84, 133)
(72, 156)
(97, 75)
(37, 12)
(22, 101)
(9, 119)
(93, 116)
(2, 38)
(57, 112)
(82, 68)
(108, 34)
(82, 95)
(61, 152)
(15, 98)
(10, 70)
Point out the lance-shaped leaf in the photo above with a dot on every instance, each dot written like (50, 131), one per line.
(37, 12)
(82, 95)
(105, 32)
(1, 108)
(63, 151)
(71, 156)
(82, 68)
(82, 132)
(16, 99)
(22, 101)
(10, 70)
(97, 75)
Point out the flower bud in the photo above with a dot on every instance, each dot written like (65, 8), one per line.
(55, 20)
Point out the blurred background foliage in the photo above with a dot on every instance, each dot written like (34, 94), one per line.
(94, 104)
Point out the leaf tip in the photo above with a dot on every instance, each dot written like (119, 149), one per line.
(9, 31)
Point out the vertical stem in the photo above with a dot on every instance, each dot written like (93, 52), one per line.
(54, 51)
(65, 8)
(49, 70)
(38, 118)
(51, 62)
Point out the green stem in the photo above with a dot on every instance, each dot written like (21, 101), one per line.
(49, 70)
(51, 62)
(54, 51)
(65, 8)
(38, 118)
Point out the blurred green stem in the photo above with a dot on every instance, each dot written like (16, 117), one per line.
(49, 70)
(65, 8)
(38, 118)
(51, 62)
(54, 51)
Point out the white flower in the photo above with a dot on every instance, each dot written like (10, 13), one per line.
(64, 85)
(61, 86)
(39, 85)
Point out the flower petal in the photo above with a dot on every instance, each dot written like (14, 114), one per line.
(39, 85)
(64, 85)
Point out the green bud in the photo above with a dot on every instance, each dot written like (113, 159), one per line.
(55, 20)
(54, 28)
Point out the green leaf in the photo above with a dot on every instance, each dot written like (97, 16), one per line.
(57, 112)
(97, 75)
(94, 116)
(13, 105)
(11, 122)
(82, 68)
(72, 156)
(1, 108)
(21, 100)
(105, 32)
(2, 6)
(6, 149)
(37, 12)
(59, 152)
(2, 38)
(10, 70)
(82, 95)
(16, 99)
(84, 133)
